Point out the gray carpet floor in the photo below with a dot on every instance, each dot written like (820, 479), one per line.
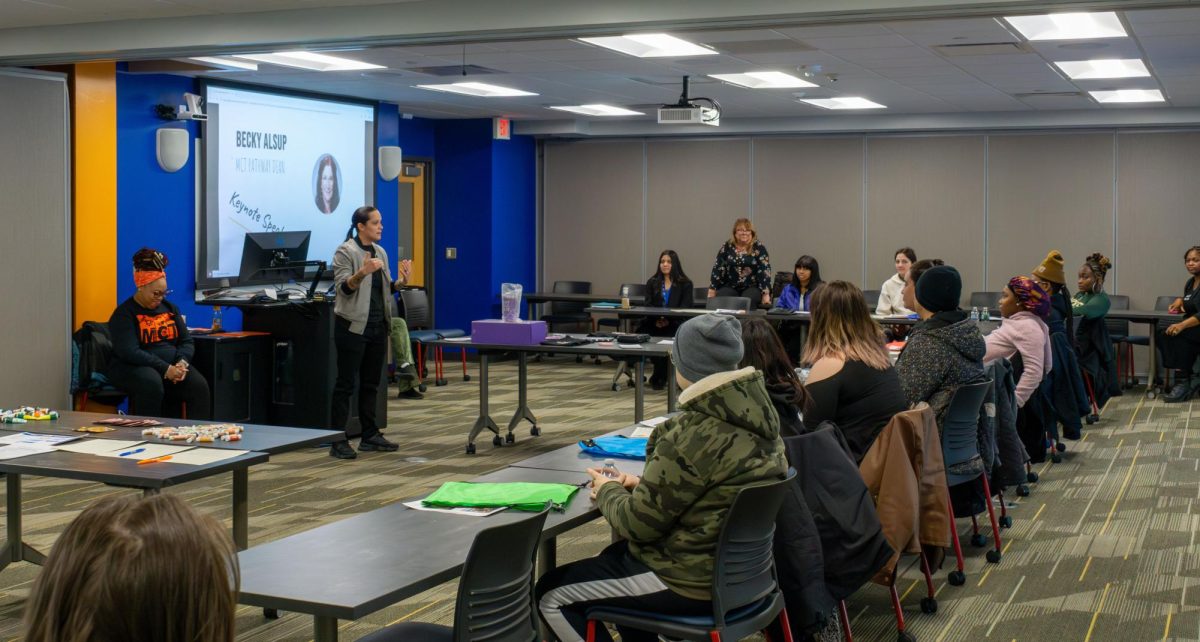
(1103, 549)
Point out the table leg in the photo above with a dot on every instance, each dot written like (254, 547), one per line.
(241, 508)
(1153, 359)
(672, 391)
(547, 556)
(484, 422)
(325, 628)
(523, 412)
(639, 390)
(15, 549)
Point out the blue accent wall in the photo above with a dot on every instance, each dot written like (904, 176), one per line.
(462, 201)
(514, 215)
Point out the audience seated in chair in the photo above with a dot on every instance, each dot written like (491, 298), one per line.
(1063, 385)
(1179, 343)
(670, 287)
(1097, 357)
(764, 352)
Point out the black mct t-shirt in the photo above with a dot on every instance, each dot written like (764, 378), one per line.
(157, 337)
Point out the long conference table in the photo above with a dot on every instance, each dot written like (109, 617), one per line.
(260, 442)
(399, 551)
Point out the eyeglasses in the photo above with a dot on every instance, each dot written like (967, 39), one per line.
(160, 295)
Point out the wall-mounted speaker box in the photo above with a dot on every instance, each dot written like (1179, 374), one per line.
(390, 162)
(171, 148)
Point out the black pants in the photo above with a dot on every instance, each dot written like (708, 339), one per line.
(752, 293)
(649, 325)
(153, 396)
(612, 578)
(359, 363)
(1180, 351)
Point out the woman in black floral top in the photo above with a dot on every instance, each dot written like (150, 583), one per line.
(743, 267)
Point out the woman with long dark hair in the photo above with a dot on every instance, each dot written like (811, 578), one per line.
(764, 351)
(806, 277)
(669, 287)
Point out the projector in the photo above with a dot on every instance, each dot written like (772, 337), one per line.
(688, 115)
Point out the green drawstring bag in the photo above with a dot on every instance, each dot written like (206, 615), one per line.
(526, 496)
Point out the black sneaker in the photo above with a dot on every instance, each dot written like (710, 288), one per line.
(378, 443)
(342, 450)
(406, 371)
(411, 393)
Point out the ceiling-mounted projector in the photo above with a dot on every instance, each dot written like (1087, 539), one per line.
(687, 112)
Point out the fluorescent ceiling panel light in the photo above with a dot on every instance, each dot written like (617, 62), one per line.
(764, 80)
(598, 110)
(311, 61)
(478, 89)
(1128, 96)
(227, 62)
(1069, 26)
(651, 45)
(843, 102)
(1107, 68)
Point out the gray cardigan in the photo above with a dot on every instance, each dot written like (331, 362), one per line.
(347, 260)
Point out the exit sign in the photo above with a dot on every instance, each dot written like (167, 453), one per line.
(501, 128)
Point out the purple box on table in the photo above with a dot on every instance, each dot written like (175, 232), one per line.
(514, 333)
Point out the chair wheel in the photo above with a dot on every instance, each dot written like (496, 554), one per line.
(440, 382)
(929, 605)
(993, 556)
(1005, 521)
(1151, 395)
(905, 636)
(497, 441)
(1091, 419)
(1060, 447)
(422, 388)
(510, 438)
(1031, 477)
(956, 578)
(979, 539)
(466, 377)
(470, 449)
(1056, 458)
(615, 387)
(1022, 490)
(271, 614)
(535, 431)
(629, 384)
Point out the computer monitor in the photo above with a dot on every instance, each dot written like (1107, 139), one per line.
(272, 257)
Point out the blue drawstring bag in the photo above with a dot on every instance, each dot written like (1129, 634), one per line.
(615, 446)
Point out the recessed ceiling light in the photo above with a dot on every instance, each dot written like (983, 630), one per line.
(310, 60)
(843, 102)
(598, 110)
(1108, 68)
(228, 63)
(651, 45)
(478, 89)
(764, 80)
(1128, 96)
(1069, 26)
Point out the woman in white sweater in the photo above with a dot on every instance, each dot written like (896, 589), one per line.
(1024, 306)
(891, 297)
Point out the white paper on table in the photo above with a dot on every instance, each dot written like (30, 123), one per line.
(666, 342)
(458, 339)
(653, 421)
(202, 456)
(24, 450)
(630, 346)
(469, 511)
(99, 446)
(147, 451)
(641, 432)
(34, 438)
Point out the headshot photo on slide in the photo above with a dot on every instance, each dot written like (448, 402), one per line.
(327, 176)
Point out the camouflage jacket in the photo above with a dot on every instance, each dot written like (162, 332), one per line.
(725, 438)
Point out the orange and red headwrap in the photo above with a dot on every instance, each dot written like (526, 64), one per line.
(142, 277)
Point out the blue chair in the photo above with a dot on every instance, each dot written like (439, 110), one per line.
(495, 592)
(416, 315)
(960, 446)
(745, 594)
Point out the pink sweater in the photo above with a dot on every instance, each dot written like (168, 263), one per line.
(1025, 333)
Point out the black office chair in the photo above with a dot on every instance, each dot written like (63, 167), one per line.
(566, 311)
(989, 300)
(637, 296)
(495, 592)
(1161, 304)
(959, 446)
(872, 299)
(416, 315)
(699, 295)
(745, 592)
(729, 303)
(1118, 331)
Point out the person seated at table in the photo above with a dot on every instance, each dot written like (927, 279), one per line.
(797, 295)
(945, 349)
(725, 438)
(668, 288)
(891, 297)
(764, 352)
(743, 267)
(1179, 343)
(1063, 384)
(1024, 306)
(908, 294)
(407, 378)
(152, 348)
(137, 569)
(1097, 357)
(852, 382)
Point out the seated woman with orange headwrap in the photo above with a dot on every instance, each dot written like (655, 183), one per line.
(153, 349)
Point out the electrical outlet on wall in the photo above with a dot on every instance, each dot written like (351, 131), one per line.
(451, 253)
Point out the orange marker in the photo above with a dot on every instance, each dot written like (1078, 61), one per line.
(154, 459)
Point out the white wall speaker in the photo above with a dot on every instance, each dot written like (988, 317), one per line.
(171, 148)
(390, 162)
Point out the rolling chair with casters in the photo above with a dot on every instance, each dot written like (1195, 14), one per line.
(636, 292)
(699, 294)
(745, 593)
(566, 311)
(416, 315)
(729, 303)
(989, 300)
(1118, 332)
(495, 591)
(1154, 382)
(872, 299)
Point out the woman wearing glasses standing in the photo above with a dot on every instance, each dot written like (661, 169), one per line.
(152, 348)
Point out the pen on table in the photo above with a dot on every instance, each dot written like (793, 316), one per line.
(131, 452)
(154, 459)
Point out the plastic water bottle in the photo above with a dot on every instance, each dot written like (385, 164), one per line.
(610, 469)
(216, 321)
(975, 314)
(985, 314)
(625, 297)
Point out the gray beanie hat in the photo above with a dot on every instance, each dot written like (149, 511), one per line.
(707, 344)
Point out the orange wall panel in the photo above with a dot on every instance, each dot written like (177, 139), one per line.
(94, 173)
